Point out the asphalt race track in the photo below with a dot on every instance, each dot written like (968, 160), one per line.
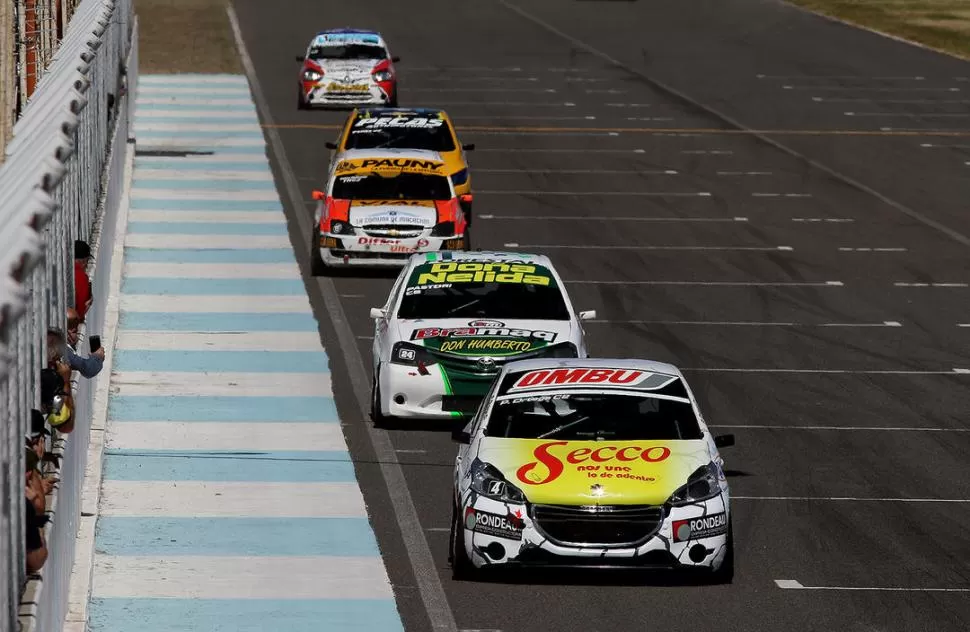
(691, 167)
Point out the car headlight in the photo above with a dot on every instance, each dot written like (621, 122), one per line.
(460, 178)
(489, 482)
(410, 354)
(340, 227)
(443, 229)
(701, 485)
(383, 75)
(312, 75)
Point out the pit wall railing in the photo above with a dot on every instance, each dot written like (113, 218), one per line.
(61, 180)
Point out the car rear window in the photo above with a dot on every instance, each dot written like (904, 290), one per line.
(415, 131)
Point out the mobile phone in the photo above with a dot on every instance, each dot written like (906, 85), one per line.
(95, 343)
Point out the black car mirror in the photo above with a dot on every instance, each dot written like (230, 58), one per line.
(330, 144)
(724, 441)
(468, 146)
(395, 59)
(300, 58)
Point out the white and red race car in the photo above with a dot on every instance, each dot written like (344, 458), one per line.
(347, 67)
(383, 205)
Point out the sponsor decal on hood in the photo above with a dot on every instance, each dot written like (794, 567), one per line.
(391, 166)
(581, 473)
(486, 337)
(368, 214)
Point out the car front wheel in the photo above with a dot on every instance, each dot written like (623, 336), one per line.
(461, 566)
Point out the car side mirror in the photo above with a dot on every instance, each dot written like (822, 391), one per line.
(319, 195)
(330, 144)
(468, 146)
(587, 315)
(300, 58)
(465, 198)
(724, 441)
(460, 434)
(395, 59)
(377, 312)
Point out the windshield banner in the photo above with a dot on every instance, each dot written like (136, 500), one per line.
(391, 166)
(449, 272)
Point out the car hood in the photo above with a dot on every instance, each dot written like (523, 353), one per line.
(393, 212)
(335, 69)
(484, 337)
(595, 472)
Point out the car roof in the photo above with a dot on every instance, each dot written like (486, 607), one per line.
(351, 31)
(650, 366)
(417, 154)
(480, 255)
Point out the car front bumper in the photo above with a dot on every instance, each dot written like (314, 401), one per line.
(406, 393)
(531, 545)
(361, 94)
(365, 251)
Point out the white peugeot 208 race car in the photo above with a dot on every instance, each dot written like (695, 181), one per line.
(591, 463)
(454, 318)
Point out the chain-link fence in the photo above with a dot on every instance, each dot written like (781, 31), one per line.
(70, 92)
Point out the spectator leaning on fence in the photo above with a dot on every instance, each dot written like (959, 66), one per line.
(90, 366)
(56, 401)
(35, 514)
(82, 284)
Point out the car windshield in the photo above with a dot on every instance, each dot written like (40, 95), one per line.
(392, 186)
(380, 134)
(347, 51)
(483, 289)
(592, 416)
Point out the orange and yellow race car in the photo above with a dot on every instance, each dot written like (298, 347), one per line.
(381, 206)
(422, 129)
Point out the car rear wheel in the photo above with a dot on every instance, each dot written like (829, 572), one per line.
(301, 103)
(461, 566)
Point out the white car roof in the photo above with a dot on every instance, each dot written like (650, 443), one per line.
(363, 154)
(480, 255)
(649, 366)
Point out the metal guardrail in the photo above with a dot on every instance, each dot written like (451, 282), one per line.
(52, 187)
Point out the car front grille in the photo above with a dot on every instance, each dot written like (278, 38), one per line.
(611, 526)
(393, 230)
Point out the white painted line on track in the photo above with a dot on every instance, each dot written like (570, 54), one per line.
(479, 90)
(831, 371)
(206, 242)
(867, 89)
(230, 577)
(213, 270)
(197, 100)
(206, 175)
(855, 499)
(188, 193)
(843, 77)
(942, 146)
(708, 152)
(197, 304)
(606, 91)
(849, 428)
(649, 119)
(608, 193)
(892, 101)
(724, 323)
(791, 584)
(704, 248)
(843, 249)
(628, 105)
(206, 217)
(815, 220)
(217, 341)
(611, 219)
(744, 173)
(627, 172)
(220, 384)
(218, 435)
(533, 150)
(907, 114)
(781, 195)
(946, 285)
(216, 499)
(717, 283)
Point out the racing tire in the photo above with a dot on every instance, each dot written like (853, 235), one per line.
(461, 567)
(301, 104)
(468, 239)
(725, 574)
(317, 266)
(393, 102)
(467, 210)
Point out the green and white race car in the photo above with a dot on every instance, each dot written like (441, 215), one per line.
(453, 319)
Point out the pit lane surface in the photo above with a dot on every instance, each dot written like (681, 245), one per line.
(818, 308)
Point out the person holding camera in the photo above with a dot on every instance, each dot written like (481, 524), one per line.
(87, 367)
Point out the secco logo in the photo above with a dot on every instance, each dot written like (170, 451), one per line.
(579, 377)
(554, 464)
